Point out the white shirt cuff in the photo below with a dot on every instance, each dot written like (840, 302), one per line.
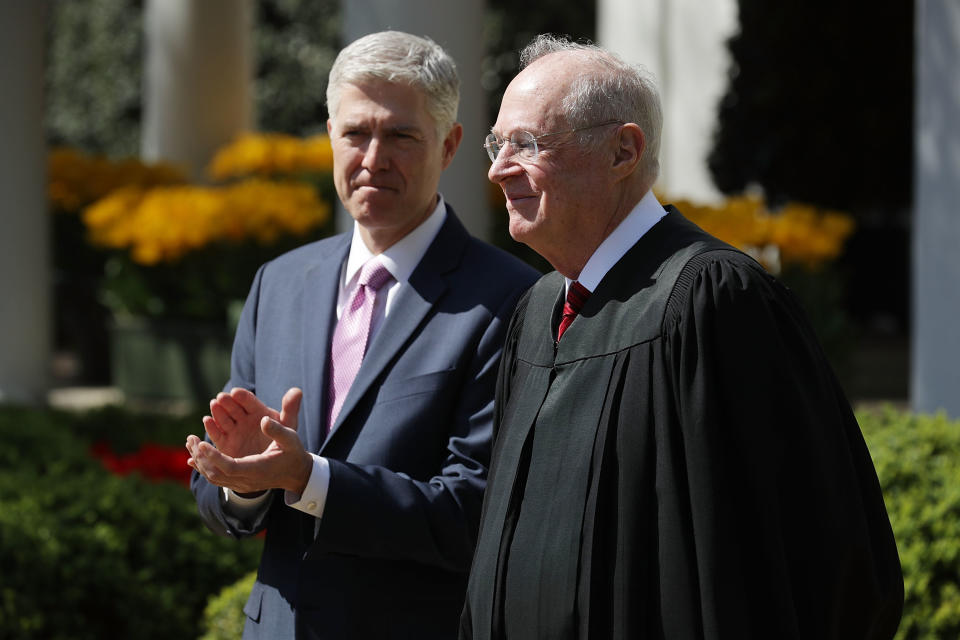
(314, 495)
(241, 506)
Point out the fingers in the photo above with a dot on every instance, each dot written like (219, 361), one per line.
(220, 414)
(192, 441)
(212, 427)
(290, 407)
(195, 460)
(293, 464)
(284, 464)
(251, 404)
(285, 437)
(217, 468)
(226, 410)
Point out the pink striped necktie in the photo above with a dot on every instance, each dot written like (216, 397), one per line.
(576, 297)
(352, 334)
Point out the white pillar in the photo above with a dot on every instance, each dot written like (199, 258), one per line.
(935, 370)
(683, 43)
(197, 81)
(457, 27)
(25, 285)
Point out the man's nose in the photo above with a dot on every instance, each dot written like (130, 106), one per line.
(504, 165)
(375, 156)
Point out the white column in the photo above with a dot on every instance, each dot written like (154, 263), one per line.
(25, 325)
(197, 81)
(455, 26)
(935, 370)
(683, 44)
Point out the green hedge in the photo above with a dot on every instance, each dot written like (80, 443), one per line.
(87, 554)
(223, 618)
(917, 462)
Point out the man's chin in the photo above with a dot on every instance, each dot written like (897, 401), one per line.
(371, 202)
(521, 229)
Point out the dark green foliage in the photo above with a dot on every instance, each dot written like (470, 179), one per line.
(223, 619)
(35, 438)
(509, 27)
(93, 71)
(819, 106)
(916, 461)
(821, 291)
(296, 42)
(94, 77)
(86, 554)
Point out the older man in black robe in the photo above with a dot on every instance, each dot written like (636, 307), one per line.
(674, 457)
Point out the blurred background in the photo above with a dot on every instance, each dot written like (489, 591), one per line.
(157, 151)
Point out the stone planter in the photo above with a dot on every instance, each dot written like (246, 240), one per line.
(160, 360)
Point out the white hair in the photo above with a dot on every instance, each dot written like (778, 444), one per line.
(617, 90)
(395, 56)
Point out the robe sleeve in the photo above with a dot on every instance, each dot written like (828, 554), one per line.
(508, 363)
(783, 525)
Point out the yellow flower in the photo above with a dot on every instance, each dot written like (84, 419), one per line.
(163, 224)
(270, 154)
(77, 179)
(797, 233)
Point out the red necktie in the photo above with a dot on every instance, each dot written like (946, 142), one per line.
(576, 297)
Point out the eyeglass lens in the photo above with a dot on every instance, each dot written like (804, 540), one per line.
(523, 143)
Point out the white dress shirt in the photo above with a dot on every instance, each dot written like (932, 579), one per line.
(641, 219)
(400, 260)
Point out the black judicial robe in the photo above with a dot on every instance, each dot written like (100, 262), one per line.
(683, 464)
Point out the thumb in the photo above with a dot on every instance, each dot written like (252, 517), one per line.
(277, 432)
(290, 407)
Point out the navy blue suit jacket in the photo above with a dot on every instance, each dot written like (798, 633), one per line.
(408, 453)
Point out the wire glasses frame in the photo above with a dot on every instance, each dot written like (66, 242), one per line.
(524, 143)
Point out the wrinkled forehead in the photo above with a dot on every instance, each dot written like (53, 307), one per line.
(383, 99)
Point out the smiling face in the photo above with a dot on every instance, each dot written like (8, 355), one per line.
(387, 158)
(549, 200)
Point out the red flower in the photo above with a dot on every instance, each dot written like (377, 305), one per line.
(152, 461)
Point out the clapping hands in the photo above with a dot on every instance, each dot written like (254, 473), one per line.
(254, 447)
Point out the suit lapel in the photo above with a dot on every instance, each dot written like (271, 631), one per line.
(414, 301)
(321, 283)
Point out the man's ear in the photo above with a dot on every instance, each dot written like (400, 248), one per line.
(630, 145)
(451, 142)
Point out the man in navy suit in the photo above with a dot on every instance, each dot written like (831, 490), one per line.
(370, 490)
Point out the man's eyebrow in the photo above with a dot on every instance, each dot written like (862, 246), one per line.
(512, 130)
(350, 124)
(404, 128)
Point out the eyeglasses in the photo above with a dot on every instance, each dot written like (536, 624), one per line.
(524, 143)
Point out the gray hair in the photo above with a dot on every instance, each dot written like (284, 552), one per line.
(617, 90)
(399, 57)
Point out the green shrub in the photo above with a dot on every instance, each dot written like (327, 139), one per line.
(916, 461)
(37, 440)
(223, 618)
(87, 554)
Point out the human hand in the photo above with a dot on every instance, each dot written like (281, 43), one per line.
(283, 464)
(234, 422)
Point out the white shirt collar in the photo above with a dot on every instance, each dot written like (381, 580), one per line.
(641, 218)
(403, 256)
